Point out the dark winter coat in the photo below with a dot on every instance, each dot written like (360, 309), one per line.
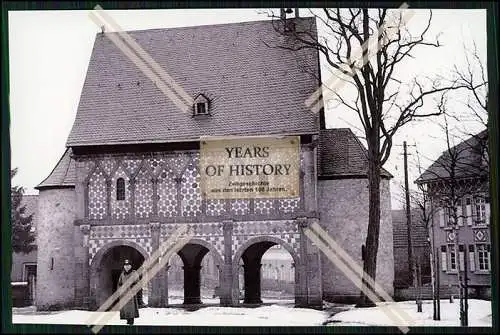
(131, 309)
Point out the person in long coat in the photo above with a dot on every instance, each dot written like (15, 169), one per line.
(130, 310)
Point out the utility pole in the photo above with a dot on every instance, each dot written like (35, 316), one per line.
(411, 258)
(438, 295)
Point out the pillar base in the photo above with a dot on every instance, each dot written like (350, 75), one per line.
(192, 301)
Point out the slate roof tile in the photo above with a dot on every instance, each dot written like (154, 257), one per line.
(63, 174)
(342, 154)
(253, 88)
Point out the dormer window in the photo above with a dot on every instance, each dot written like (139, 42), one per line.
(201, 105)
(201, 108)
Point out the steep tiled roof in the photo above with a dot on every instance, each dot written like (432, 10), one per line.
(63, 174)
(342, 154)
(254, 87)
(419, 233)
(468, 157)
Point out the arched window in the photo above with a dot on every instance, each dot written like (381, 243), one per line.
(120, 189)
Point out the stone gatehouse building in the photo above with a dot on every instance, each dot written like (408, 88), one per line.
(129, 178)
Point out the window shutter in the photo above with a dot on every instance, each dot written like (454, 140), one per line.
(469, 212)
(487, 211)
(443, 258)
(488, 247)
(459, 215)
(441, 217)
(461, 255)
(472, 259)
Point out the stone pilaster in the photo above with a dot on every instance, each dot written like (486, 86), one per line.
(157, 282)
(310, 278)
(108, 198)
(309, 179)
(132, 197)
(156, 197)
(227, 295)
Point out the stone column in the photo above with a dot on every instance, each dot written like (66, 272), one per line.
(252, 282)
(157, 282)
(227, 294)
(192, 284)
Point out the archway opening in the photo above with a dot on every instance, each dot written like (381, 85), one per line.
(266, 274)
(109, 270)
(277, 276)
(194, 276)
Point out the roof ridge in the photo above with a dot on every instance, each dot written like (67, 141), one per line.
(202, 26)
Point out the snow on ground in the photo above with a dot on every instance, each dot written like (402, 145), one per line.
(281, 313)
(273, 315)
(479, 314)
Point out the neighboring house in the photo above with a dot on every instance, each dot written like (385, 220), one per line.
(23, 273)
(129, 177)
(457, 183)
(420, 243)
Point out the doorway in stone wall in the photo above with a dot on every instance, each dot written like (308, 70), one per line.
(110, 268)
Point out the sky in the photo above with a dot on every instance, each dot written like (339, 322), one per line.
(49, 53)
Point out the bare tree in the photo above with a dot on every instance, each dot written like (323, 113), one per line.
(382, 102)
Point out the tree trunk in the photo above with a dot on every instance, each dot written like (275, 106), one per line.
(372, 237)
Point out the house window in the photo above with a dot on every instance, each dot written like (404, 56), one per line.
(453, 257)
(461, 256)
(483, 256)
(201, 108)
(29, 270)
(472, 262)
(444, 258)
(120, 189)
(480, 208)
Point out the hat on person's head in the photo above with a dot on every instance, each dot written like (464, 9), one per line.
(127, 262)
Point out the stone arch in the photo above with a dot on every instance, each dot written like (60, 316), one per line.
(192, 255)
(266, 238)
(97, 260)
(254, 296)
(210, 247)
